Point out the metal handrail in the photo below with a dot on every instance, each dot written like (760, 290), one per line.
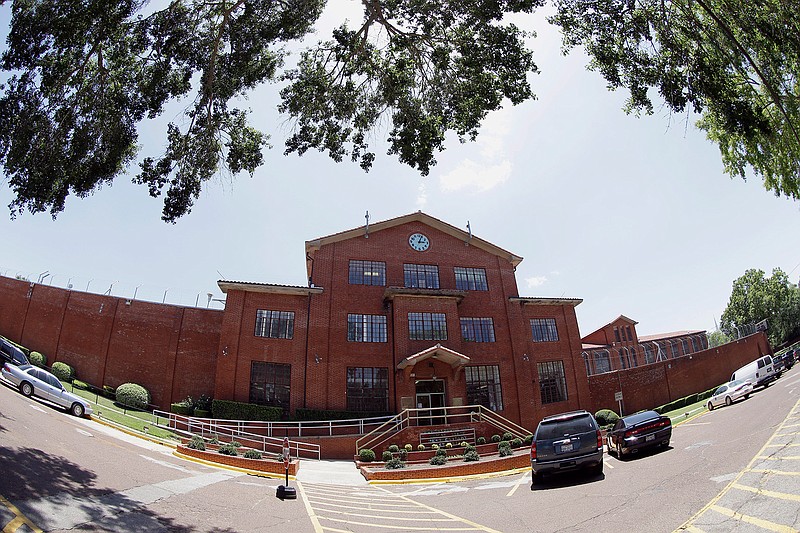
(209, 426)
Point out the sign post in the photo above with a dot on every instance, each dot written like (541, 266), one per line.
(285, 492)
(618, 397)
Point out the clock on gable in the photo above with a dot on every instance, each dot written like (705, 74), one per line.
(419, 242)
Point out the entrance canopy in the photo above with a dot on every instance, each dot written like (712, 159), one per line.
(438, 352)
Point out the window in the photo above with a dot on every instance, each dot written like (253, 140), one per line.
(685, 345)
(421, 276)
(366, 328)
(275, 324)
(483, 386)
(552, 384)
(368, 389)
(367, 272)
(630, 337)
(270, 384)
(695, 345)
(602, 361)
(616, 334)
(633, 356)
(427, 326)
(471, 279)
(673, 348)
(544, 329)
(622, 332)
(662, 351)
(649, 356)
(477, 329)
(623, 359)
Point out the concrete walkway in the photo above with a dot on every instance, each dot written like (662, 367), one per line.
(330, 472)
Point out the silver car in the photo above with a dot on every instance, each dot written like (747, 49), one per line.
(32, 381)
(729, 393)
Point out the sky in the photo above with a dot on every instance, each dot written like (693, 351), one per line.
(634, 215)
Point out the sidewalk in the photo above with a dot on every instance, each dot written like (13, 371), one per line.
(330, 472)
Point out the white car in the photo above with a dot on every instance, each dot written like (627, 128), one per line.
(32, 381)
(730, 392)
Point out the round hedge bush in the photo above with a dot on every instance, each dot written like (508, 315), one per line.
(438, 460)
(395, 463)
(472, 455)
(133, 395)
(386, 456)
(63, 371)
(252, 454)
(481, 440)
(37, 359)
(606, 417)
(366, 455)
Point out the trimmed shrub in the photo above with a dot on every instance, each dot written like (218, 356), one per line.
(504, 448)
(508, 436)
(109, 392)
(463, 444)
(403, 454)
(230, 410)
(496, 438)
(472, 455)
(481, 440)
(133, 395)
(203, 403)
(37, 359)
(516, 443)
(421, 447)
(438, 460)
(200, 413)
(408, 447)
(441, 452)
(229, 449)
(395, 464)
(528, 440)
(394, 448)
(62, 371)
(213, 440)
(252, 454)
(448, 445)
(236, 444)
(366, 455)
(181, 408)
(78, 384)
(197, 443)
(434, 446)
(606, 417)
(386, 456)
(470, 448)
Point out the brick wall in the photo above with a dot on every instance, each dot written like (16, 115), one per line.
(170, 350)
(649, 386)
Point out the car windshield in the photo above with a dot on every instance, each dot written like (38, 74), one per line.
(735, 383)
(561, 428)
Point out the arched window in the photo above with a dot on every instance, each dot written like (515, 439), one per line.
(661, 354)
(586, 362)
(633, 356)
(695, 344)
(649, 355)
(623, 358)
(673, 348)
(602, 361)
(685, 345)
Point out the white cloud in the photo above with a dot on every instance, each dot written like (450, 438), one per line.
(422, 196)
(477, 177)
(536, 281)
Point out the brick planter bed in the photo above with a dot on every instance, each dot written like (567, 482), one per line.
(261, 465)
(375, 471)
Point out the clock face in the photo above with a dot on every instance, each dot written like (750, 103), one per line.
(419, 242)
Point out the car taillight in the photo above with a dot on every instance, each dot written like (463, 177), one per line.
(533, 449)
(599, 439)
(649, 427)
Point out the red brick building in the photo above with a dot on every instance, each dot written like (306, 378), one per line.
(409, 312)
(617, 346)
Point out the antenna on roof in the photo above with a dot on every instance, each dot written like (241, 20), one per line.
(469, 230)
(366, 229)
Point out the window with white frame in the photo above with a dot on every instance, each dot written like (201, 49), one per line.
(552, 382)
(366, 328)
(477, 329)
(274, 324)
(544, 329)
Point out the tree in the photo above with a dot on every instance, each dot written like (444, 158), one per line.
(717, 338)
(85, 74)
(734, 62)
(755, 297)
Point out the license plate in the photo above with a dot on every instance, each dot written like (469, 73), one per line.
(648, 438)
(566, 447)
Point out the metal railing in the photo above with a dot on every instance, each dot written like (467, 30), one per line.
(248, 433)
(438, 416)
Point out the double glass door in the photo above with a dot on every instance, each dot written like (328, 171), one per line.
(431, 400)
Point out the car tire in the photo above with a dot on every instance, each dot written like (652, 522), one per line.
(710, 406)
(536, 479)
(597, 471)
(728, 400)
(26, 389)
(609, 446)
(746, 396)
(77, 410)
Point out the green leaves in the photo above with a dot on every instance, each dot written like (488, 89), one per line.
(734, 62)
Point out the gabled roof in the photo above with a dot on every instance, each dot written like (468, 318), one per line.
(451, 357)
(622, 318)
(315, 244)
(225, 286)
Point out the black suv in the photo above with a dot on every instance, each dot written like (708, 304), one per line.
(11, 354)
(565, 442)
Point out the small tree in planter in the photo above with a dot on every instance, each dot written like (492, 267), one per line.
(481, 440)
(504, 448)
(366, 455)
(386, 456)
(438, 460)
(421, 448)
(196, 443)
(394, 464)
(252, 454)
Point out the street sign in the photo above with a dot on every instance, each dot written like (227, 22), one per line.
(618, 396)
(286, 452)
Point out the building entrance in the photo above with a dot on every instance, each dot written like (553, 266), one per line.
(431, 399)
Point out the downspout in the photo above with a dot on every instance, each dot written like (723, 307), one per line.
(308, 334)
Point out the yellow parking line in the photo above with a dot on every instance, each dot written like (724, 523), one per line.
(309, 509)
(693, 529)
(775, 472)
(764, 524)
(773, 458)
(770, 493)
(19, 519)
